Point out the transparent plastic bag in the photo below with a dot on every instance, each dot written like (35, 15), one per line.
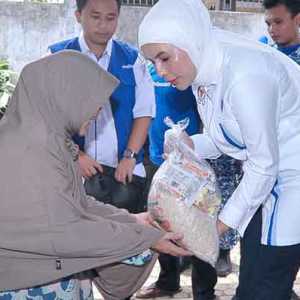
(184, 197)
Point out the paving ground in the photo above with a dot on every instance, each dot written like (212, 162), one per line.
(225, 287)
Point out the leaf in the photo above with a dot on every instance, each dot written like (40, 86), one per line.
(3, 65)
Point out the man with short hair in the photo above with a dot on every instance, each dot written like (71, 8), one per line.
(283, 20)
(112, 150)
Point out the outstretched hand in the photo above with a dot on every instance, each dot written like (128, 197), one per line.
(171, 243)
(147, 220)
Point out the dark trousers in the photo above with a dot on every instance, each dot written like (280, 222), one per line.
(105, 188)
(204, 276)
(266, 272)
(169, 276)
(204, 279)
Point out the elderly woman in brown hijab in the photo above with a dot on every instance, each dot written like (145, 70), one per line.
(49, 228)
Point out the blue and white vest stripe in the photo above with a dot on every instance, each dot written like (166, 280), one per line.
(122, 101)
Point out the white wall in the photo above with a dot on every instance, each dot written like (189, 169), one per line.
(26, 29)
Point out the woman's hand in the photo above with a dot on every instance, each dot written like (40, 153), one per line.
(88, 166)
(221, 227)
(169, 244)
(171, 140)
(186, 139)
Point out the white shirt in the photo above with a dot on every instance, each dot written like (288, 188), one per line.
(252, 113)
(101, 142)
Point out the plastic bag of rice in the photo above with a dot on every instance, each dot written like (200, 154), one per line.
(184, 197)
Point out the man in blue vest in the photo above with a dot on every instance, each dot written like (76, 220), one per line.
(111, 157)
(283, 21)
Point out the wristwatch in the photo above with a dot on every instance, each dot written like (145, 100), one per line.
(128, 153)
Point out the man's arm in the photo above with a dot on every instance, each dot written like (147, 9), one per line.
(136, 141)
(139, 133)
(143, 112)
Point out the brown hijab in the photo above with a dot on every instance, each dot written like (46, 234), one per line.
(45, 215)
(64, 90)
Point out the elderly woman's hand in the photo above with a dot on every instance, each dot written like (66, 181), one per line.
(144, 219)
(148, 220)
(171, 243)
(88, 166)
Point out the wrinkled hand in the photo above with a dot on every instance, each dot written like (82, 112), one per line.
(167, 245)
(171, 139)
(124, 170)
(159, 219)
(144, 219)
(88, 166)
(147, 219)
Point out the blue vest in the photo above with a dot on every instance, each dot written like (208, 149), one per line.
(292, 52)
(172, 103)
(122, 100)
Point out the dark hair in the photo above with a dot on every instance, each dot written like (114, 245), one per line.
(82, 3)
(293, 6)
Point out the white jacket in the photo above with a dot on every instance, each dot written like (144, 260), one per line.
(252, 113)
(249, 101)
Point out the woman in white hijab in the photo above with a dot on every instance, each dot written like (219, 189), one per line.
(49, 228)
(249, 101)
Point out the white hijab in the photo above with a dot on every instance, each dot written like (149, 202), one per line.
(186, 24)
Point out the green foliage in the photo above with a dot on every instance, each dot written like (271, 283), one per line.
(3, 65)
(7, 84)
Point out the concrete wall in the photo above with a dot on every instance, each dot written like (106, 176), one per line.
(249, 6)
(26, 29)
(251, 25)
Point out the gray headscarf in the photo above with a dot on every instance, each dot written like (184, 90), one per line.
(64, 90)
(44, 212)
